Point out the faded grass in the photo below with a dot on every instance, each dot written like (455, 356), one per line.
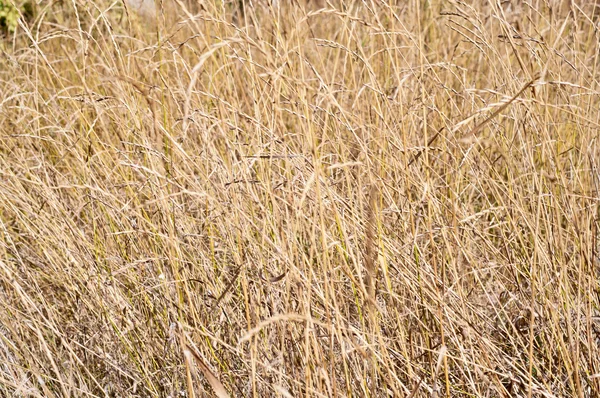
(381, 199)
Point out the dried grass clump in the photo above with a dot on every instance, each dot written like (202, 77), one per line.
(300, 200)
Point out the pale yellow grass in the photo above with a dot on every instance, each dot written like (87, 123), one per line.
(371, 199)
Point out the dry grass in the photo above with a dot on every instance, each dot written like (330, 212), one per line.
(380, 199)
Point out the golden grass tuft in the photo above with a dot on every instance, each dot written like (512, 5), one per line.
(365, 198)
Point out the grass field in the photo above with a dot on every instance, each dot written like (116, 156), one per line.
(370, 199)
